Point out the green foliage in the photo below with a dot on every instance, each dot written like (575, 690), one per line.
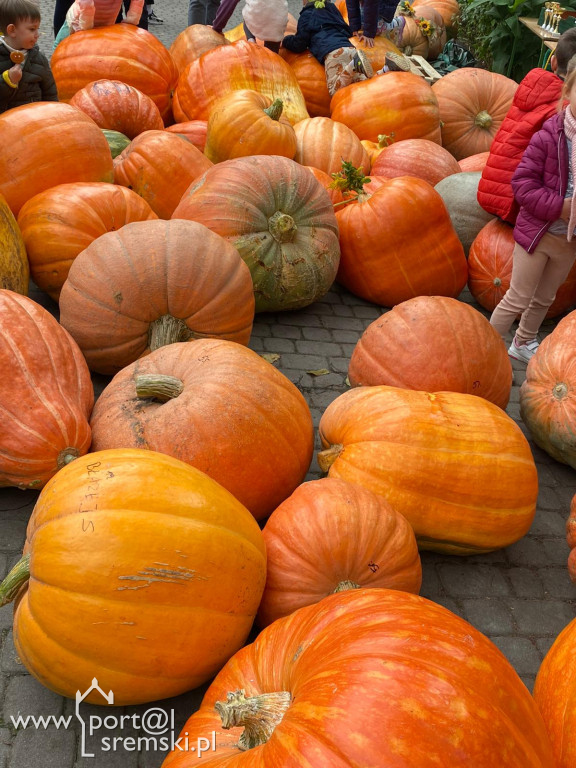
(493, 31)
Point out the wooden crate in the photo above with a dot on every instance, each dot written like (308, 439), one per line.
(419, 66)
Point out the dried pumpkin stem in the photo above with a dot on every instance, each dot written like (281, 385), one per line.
(14, 581)
(158, 386)
(483, 119)
(345, 585)
(259, 715)
(282, 227)
(167, 330)
(327, 457)
(274, 111)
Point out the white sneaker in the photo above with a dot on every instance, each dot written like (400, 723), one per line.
(153, 19)
(523, 352)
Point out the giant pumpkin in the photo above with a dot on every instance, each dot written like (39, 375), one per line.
(14, 269)
(218, 406)
(46, 395)
(138, 570)
(455, 465)
(369, 677)
(415, 157)
(325, 143)
(192, 42)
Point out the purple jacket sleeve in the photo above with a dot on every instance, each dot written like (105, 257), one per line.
(528, 182)
(225, 10)
(370, 8)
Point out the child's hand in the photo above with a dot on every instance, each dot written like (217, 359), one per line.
(566, 208)
(368, 41)
(15, 74)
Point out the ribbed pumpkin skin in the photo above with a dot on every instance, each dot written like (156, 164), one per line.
(555, 694)
(490, 269)
(193, 130)
(159, 166)
(435, 344)
(571, 540)
(329, 532)
(279, 218)
(399, 243)
(415, 157)
(398, 103)
(192, 42)
(311, 78)
(62, 221)
(119, 52)
(117, 106)
(235, 67)
(150, 615)
(456, 466)
(46, 141)
(326, 181)
(325, 143)
(46, 394)
(238, 419)
(124, 282)
(548, 395)
(14, 269)
(473, 102)
(403, 657)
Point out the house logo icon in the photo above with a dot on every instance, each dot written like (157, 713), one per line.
(108, 699)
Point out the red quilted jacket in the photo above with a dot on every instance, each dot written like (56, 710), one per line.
(535, 100)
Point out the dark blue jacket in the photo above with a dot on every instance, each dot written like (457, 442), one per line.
(364, 14)
(320, 30)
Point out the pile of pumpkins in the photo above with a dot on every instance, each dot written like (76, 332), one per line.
(164, 201)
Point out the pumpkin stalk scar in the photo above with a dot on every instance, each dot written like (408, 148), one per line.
(166, 575)
(258, 714)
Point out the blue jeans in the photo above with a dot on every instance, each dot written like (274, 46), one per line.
(202, 11)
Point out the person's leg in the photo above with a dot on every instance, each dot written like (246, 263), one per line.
(339, 68)
(211, 10)
(249, 35)
(60, 9)
(63, 33)
(272, 45)
(561, 256)
(197, 12)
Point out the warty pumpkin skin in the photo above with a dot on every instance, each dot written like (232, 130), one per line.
(555, 694)
(236, 417)
(155, 283)
(435, 344)
(14, 269)
(329, 536)
(235, 67)
(548, 394)
(325, 143)
(370, 677)
(46, 140)
(279, 218)
(62, 221)
(46, 394)
(118, 52)
(398, 243)
(456, 466)
(143, 573)
(398, 104)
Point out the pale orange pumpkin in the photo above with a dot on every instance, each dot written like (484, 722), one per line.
(474, 162)
(325, 143)
(415, 157)
(194, 41)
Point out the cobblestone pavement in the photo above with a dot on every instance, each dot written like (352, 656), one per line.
(521, 597)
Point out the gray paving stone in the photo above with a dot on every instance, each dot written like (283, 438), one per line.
(13, 533)
(520, 652)
(544, 644)
(3, 565)
(367, 313)
(279, 345)
(5, 746)
(548, 498)
(332, 380)
(328, 348)
(316, 334)
(528, 550)
(541, 617)
(279, 331)
(350, 338)
(323, 309)
(304, 362)
(526, 583)
(557, 583)
(344, 323)
(50, 748)
(9, 659)
(340, 364)
(557, 551)
(257, 345)
(451, 605)
(492, 616)
(549, 522)
(460, 580)
(431, 584)
(343, 310)
(528, 681)
(26, 696)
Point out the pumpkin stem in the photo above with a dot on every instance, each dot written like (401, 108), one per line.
(349, 179)
(158, 386)
(483, 119)
(560, 391)
(18, 576)
(327, 457)
(167, 330)
(282, 227)
(385, 139)
(274, 111)
(497, 282)
(66, 456)
(345, 585)
(259, 715)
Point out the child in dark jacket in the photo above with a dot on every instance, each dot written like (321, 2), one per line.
(545, 251)
(375, 17)
(322, 30)
(26, 73)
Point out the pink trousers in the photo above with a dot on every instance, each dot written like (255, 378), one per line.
(535, 279)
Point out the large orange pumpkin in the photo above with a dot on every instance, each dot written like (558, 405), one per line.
(398, 243)
(233, 416)
(548, 395)
(448, 9)
(438, 36)
(398, 104)
(472, 102)
(193, 130)
(235, 67)
(474, 162)
(154, 283)
(192, 42)
(329, 536)
(311, 78)
(436, 344)
(140, 571)
(415, 157)
(159, 166)
(369, 677)
(62, 221)
(555, 694)
(50, 144)
(279, 218)
(455, 465)
(325, 143)
(14, 268)
(571, 539)
(414, 42)
(118, 107)
(46, 395)
(119, 52)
